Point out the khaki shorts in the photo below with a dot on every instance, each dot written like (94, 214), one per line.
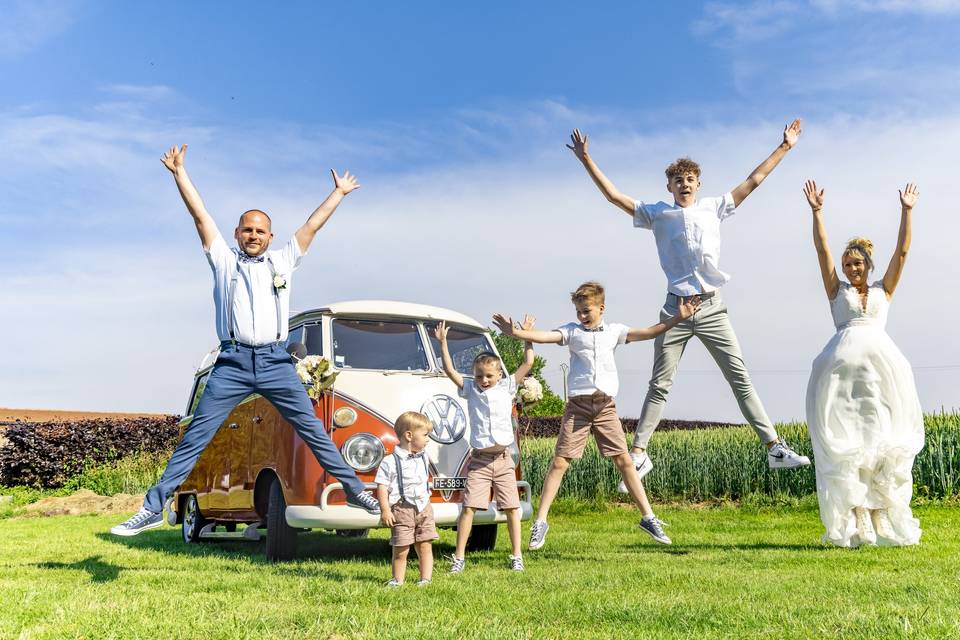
(491, 469)
(596, 413)
(410, 526)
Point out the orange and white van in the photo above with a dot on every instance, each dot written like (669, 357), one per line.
(258, 474)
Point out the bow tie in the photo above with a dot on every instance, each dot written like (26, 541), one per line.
(415, 455)
(594, 330)
(245, 259)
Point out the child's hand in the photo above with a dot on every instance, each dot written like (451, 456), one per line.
(814, 197)
(173, 159)
(386, 515)
(689, 307)
(504, 324)
(528, 322)
(580, 143)
(791, 133)
(441, 331)
(908, 197)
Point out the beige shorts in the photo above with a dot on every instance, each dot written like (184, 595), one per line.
(595, 413)
(487, 470)
(409, 526)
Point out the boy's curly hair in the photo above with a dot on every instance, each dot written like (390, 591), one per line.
(588, 292)
(681, 167)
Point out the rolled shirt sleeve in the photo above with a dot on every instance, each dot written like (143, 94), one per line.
(726, 206)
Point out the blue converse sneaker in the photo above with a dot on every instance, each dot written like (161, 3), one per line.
(457, 564)
(654, 526)
(141, 521)
(781, 456)
(365, 500)
(643, 465)
(516, 563)
(538, 534)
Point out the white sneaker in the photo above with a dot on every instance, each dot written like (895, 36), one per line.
(516, 563)
(882, 525)
(864, 527)
(538, 534)
(781, 456)
(643, 465)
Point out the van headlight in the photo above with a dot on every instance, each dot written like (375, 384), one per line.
(363, 451)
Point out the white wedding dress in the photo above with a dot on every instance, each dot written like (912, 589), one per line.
(865, 422)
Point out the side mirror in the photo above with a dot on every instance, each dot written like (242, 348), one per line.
(298, 350)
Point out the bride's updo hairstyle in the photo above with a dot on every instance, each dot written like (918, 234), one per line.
(863, 247)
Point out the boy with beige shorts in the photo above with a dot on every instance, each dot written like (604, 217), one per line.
(490, 396)
(592, 385)
(403, 489)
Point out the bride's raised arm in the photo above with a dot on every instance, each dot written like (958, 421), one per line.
(908, 198)
(831, 283)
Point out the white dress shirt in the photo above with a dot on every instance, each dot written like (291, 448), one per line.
(255, 313)
(491, 412)
(688, 241)
(415, 476)
(592, 366)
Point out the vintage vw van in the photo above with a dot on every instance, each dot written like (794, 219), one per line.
(257, 473)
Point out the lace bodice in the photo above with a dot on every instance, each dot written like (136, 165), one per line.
(847, 309)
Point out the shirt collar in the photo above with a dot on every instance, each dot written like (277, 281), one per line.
(404, 454)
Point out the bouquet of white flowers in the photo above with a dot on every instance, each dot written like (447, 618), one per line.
(316, 372)
(530, 392)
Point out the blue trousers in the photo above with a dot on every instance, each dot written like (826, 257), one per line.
(239, 371)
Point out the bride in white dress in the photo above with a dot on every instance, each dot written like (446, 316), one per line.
(864, 417)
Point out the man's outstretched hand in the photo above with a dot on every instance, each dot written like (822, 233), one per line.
(345, 183)
(580, 144)
(173, 159)
(791, 133)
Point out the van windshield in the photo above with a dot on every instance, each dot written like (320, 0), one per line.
(377, 344)
(463, 344)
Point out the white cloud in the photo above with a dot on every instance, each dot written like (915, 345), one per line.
(29, 24)
(932, 7)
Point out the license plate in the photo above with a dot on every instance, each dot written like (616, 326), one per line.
(449, 483)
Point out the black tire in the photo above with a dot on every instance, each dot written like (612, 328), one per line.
(281, 537)
(353, 533)
(193, 521)
(483, 537)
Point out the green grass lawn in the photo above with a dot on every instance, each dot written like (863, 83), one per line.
(732, 572)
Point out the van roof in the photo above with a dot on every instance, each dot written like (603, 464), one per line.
(392, 308)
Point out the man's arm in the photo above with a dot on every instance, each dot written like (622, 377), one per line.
(206, 227)
(791, 133)
(687, 309)
(610, 192)
(441, 334)
(342, 185)
(908, 198)
(507, 328)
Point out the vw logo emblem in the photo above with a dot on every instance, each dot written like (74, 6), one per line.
(449, 420)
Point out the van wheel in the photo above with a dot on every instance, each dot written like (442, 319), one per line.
(483, 537)
(281, 537)
(353, 533)
(193, 520)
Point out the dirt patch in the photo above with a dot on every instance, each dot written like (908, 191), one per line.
(63, 415)
(84, 502)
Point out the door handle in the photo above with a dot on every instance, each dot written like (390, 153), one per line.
(257, 419)
(233, 425)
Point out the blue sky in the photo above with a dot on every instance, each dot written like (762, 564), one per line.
(454, 117)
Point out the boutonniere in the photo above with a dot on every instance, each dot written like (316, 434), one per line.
(279, 282)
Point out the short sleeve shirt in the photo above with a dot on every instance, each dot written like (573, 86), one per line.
(688, 241)
(490, 411)
(255, 299)
(592, 365)
(415, 476)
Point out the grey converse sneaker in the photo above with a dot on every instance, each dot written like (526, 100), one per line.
(422, 582)
(141, 521)
(538, 534)
(654, 526)
(516, 563)
(781, 456)
(457, 564)
(393, 584)
(643, 465)
(365, 500)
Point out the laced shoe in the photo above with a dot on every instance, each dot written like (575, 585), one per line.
(864, 527)
(139, 522)
(654, 526)
(882, 525)
(393, 583)
(422, 582)
(516, 563)
(457, 564)
(643, 465)
(781, 456)
(365, 500)
(538, 534)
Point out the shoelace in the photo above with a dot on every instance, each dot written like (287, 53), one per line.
(516, 564)
(537, 529)
(138, 517)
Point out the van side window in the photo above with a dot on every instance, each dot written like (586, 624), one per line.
(464, 345)
(198, 386)
(295, 335)
(313, 339)
(376, 344)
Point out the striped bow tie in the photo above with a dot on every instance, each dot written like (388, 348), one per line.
(245, 259)
(415, 455)
(594, 330)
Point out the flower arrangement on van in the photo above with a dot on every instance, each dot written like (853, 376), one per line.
(316, 372)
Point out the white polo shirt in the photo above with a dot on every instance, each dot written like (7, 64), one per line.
(415, 475)
(254, 301)
(688, 241)
(592, 367)
(491, 412)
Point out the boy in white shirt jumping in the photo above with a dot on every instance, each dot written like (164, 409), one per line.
(490, 396)
(592, 385)
(687, 233)
(403, 489)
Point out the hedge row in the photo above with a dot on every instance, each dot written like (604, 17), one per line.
(48, 454)
(549, 426)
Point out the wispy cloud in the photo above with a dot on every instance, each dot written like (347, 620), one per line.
(28, 24)
(931, 7)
